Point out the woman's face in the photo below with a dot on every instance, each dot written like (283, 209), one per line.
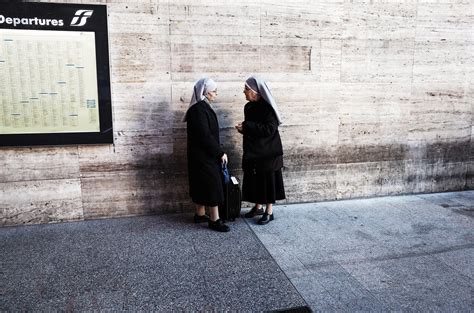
(211, 95)
(251, 95)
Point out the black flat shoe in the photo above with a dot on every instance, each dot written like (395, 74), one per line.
(200, 218)
(218, 226)
(254, 212)
(265, 219)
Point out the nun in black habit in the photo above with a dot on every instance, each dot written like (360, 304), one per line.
(205, 155)
(262, 159)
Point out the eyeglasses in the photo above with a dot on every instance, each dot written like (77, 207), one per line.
(247, 89)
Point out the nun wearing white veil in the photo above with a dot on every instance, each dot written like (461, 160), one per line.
(205, 155)
(262, 158)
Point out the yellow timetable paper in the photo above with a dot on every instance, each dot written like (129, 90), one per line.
(48, 82)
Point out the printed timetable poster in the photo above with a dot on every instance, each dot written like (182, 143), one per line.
(54, 75)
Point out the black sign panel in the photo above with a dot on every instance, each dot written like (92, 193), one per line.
(54, 75)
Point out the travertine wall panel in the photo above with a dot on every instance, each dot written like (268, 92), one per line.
(470, 175)
(376, 99)
(38, 163)
(301, 158)
(304, 184)
(202, 20)
(304, 20)
(354, 180)
(330, 60)
(130, 57)
(376, 113)
(133, 192)
(145, 152)
(440, 112)
(231, 57)
(393, 20)
(437, 62)
(138, 17)
(448, 176)
(40, 201)
(214, 58)
(286, 59)
(376, 61)
(449, 21)
(143, 107)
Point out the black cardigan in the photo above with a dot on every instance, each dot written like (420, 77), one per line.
(261, 142)
(203, 133)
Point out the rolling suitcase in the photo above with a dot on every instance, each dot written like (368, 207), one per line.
(230, 209)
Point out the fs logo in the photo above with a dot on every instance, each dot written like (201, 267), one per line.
(80, 18)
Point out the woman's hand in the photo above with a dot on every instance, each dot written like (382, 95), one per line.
(224, 158)
(239, 127)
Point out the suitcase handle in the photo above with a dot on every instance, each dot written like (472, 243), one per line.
(225, 173)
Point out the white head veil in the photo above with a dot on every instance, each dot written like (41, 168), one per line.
(201, 88)
(259, 86)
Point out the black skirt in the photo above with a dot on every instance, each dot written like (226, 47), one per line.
(262, 187)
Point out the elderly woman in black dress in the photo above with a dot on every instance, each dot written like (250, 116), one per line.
(262, 159)
(205, 155)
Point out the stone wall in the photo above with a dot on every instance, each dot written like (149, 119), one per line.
(376, 98)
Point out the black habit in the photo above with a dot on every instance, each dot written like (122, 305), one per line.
(204, 155)
(262, 159)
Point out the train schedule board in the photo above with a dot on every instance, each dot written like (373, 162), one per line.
(54, 75)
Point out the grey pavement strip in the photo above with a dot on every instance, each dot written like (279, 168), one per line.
(405, 253)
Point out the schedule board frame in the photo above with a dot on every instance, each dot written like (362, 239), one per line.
(36, 17)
